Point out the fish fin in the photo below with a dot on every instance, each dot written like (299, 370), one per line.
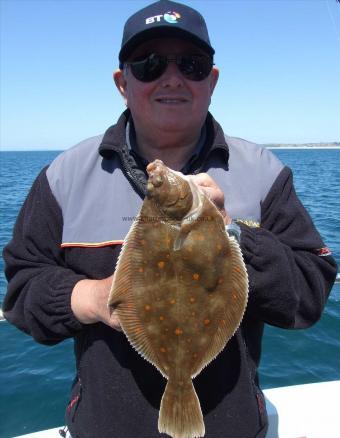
(235, 299)
(180, 414)
(122, 280)
(122, 299)
(239, 276)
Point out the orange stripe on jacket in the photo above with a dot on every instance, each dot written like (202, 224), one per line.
(91, 245)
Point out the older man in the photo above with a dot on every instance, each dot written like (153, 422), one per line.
(69, 233)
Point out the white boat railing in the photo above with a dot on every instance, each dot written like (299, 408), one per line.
(301, 411)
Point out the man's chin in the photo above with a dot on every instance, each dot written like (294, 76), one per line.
(173, 125)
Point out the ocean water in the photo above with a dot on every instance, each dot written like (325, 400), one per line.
(35, 380)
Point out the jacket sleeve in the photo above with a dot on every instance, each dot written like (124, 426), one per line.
(291, 272)
(38, 299)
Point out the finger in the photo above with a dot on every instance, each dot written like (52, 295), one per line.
(204, 180)
(114, 321)
(208, 191)
(213, 192)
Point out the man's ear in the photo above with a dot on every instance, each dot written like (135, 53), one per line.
(120, 81)
(214, 78)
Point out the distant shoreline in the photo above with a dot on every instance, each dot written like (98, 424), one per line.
(303, 147)
(319, 145)
(287, 146)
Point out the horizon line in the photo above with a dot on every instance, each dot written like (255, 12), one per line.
(305, 145)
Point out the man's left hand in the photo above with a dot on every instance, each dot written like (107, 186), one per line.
(213, 191)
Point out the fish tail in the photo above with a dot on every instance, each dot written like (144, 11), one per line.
(180, 414)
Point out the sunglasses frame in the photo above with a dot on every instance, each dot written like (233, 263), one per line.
(164, 60)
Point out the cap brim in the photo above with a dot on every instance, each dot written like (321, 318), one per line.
(156, 32)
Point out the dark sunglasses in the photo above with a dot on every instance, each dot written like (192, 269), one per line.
(192, 67)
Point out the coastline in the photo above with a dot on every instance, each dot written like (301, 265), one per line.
(264, 145)
(329, 145)
(303, 147)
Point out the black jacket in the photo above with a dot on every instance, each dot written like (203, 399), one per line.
(116, 393)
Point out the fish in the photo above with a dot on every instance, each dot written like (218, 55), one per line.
(180, 290)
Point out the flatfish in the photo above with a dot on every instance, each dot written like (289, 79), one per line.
(180, 291)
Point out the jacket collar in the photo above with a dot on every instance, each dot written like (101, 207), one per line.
(114, 140)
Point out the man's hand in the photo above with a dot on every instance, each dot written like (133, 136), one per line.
(213, 191)
(89, 302)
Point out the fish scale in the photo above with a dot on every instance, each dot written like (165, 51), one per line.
(180, 290)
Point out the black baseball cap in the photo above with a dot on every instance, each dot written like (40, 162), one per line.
(162, 19)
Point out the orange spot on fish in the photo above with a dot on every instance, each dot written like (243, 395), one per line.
(220, 280)
(193, 313)
(161, 264)
(192, 300)
(194, 355)
(206, 321)
(237, 269)
(142, 242)
(200, 237)
(129, 306)
(222, 322)
(147, 307)
(138, 329)
(172, 301)
(178, 331)
(234, 296)
(163, 350)
(161, 318)
(196, 276)
(141, 269)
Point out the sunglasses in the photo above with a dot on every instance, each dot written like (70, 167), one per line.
(192, 67)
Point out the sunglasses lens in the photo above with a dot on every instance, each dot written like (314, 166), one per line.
(192, 67)
(195, 67)
(150, 68)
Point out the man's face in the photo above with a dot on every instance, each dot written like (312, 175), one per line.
(170, 103)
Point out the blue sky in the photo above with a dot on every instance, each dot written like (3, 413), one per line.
(279, 69)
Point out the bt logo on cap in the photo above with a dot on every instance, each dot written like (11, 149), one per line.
(170, 17)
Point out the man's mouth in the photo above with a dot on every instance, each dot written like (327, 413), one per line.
(171, 100)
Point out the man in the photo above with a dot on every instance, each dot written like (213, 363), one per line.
(68, 236)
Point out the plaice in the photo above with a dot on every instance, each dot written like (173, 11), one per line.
(180, 290)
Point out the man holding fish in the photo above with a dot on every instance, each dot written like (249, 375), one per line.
(220, 246)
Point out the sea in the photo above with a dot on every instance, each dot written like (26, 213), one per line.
(35, 380)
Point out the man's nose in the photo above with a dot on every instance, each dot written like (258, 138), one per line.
(172, 75)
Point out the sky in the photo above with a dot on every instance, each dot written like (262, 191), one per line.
(279, 64)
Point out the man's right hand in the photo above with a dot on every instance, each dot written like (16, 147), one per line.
(89, 302)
